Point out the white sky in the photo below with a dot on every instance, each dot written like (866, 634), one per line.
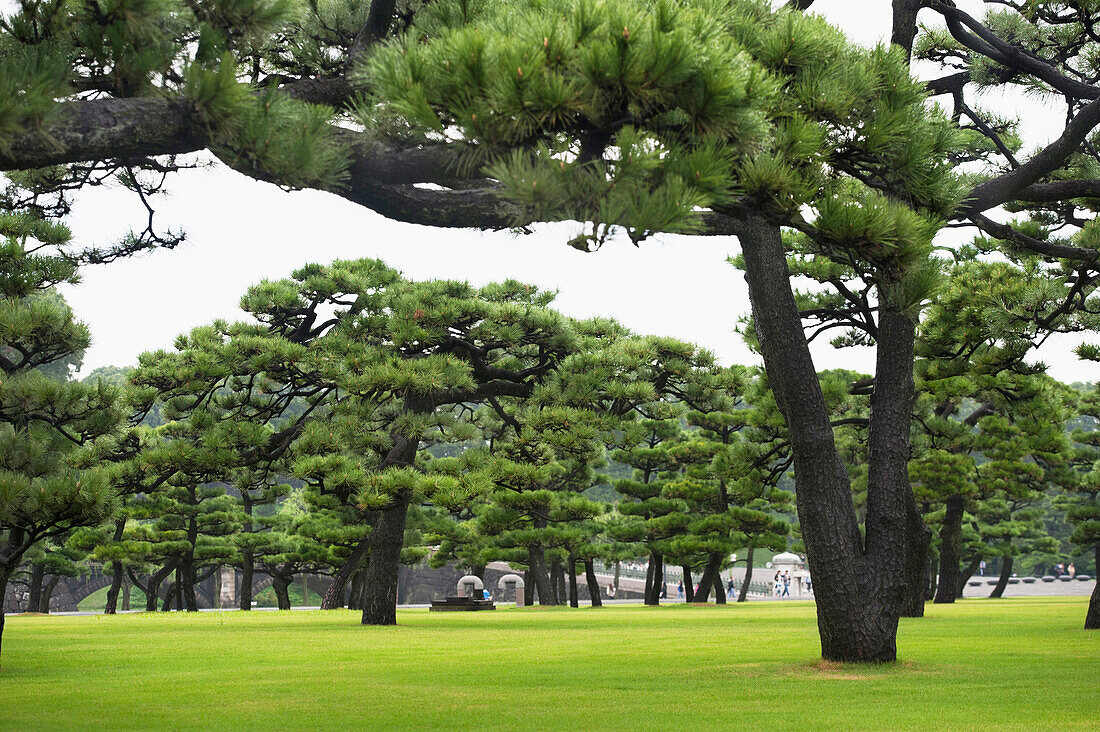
(241, 231)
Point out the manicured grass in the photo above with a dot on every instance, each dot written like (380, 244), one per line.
(1008, 664)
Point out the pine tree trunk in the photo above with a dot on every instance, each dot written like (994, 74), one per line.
(5, 575)
(916, 563)
(648, 581)
(618, 568)
(178, 588)
(47, 594)
(950, 550)
(1092, 615)
(965, 576)
(380, 582)
(281, 585)
(706, 582)
(528, 588)
(1002, 581)
(571, 568)
(152, 594)
(857, 583)
(168, 597)
(34, 588)
(248, 568)
(656, 564)
(593, 583)
(126, 589)
(116, 573)
(355, 592)
(744, 593)
(536, 563)
(334, 595)
(689, 587)
(719, 590)
(557, 582)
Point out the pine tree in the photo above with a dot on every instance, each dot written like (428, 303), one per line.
(44, 423)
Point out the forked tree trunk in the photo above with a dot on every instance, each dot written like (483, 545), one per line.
(950, 550)
(706, 582)
(656, 564)
(858, 582)
(152, 592)
(380, 582)
(334, 595)
(744, 593)
(689, 588)
(593, 583)
(1092, 615)
(1002, 581)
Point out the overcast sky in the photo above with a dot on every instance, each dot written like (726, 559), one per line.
(240, 231)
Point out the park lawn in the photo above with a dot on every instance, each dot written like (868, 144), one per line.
(1007, 664)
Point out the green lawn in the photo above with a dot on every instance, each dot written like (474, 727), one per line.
(1008, 664)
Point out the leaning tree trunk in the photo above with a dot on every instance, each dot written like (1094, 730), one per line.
(528, 589)
(689, 588)
(380, 582)
(126, 588)
(334, 595)
(536, 564)
(710, 571)
(355, 592)
(152, 592)
(1002, 581)
(1092, 615)
(965, 576)
(950, 550)
(744, 593)
(916, 562)
(116, 572)
(857, 582)
(593, 583)
(571, 569)
(248, 568)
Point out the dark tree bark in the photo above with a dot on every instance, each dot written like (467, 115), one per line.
(571, 569)
(355, 592)
(380, 581)
(1092, 615)
(528, 588)
(594, 592)
(281, 585)
(34, 587)
(710, 571)
(744, 593)
(168, 596)
(557, 582)
(904, 28)
(965, 576)
(719, 590)
(950, 551)
(689, 588)
(536, 563)
(857, 581)
(618, 569)
(152, 591)
(648, 581)
(916, 563)
(116, 573)
(657, 572)
(248, 567)
(1002, 581)
(47, 594)
(126, 587)
(334, 595)
(5, 575)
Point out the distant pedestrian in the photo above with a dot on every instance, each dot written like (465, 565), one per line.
(611, 592)
(786, 580)
(680, 590)
(1071, 570)
(729, 587)
(981, 568)
(777, 582)
(664, 590)
(1059, 569)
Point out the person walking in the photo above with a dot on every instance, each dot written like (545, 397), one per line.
(680, 590)
(729, 588)
(1071, 570)
(981, 568)
(786, 584)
